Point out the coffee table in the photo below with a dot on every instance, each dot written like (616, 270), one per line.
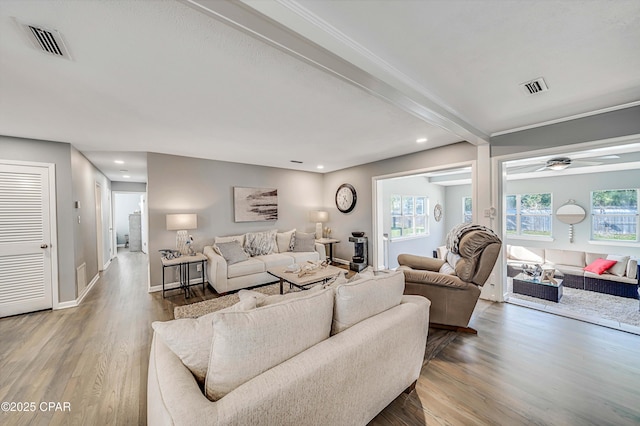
(524, 284)
(319, 275)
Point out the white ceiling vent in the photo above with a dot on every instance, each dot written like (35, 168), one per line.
(534, 86)
(46, 40)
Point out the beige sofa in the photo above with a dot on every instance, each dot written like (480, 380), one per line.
(570, 264)
(370, 349)
(253, 271)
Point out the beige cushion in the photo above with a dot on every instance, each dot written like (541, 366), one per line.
(565, 257)
(248, 267)
(534, 255)
(632, 268)
(259, 243)
(264, 300)
(364, 298)
(190, 338)
(245, 344)
(304, 256)
(238, 238)
(284, 241)
(275, 259)
(620, 268)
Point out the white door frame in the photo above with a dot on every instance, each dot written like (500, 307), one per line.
(99, 230)
(378, 239)
(53, 223)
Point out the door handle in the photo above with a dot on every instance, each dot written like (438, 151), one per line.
(44, 246)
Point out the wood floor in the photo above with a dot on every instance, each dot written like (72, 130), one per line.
(523, 367)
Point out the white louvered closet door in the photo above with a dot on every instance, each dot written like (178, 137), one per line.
(25, 253)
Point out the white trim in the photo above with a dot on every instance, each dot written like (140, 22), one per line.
(106, 265)
(528, 238)
(76, 302)
(407, 238)
(376, 256)
(569, 118)
(620, 244)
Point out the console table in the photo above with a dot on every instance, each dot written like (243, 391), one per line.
(183, 263)
(328, 242)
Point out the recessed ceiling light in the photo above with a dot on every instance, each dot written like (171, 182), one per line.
(118, 161)
(126, 176)
(421, 140)
(320, 166)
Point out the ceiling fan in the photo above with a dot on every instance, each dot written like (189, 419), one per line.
(561, 163)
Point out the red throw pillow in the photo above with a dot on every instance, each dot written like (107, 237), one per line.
(600, 265)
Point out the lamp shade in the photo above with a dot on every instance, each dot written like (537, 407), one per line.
(318, 216)
(179, 222)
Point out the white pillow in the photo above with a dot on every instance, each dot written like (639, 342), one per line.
(284, 241)
(246, 344)
(447, 269)
(365, 298)
(620, 268)
(190, 338)
(632, 269)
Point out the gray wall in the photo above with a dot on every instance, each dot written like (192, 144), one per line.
(453, 208)
(59, 154)
(578, 188)
(424, 245)
(361, 217)
(84, 177)
(205, 187)
(612, 124)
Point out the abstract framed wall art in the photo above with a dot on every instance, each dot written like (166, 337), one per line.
(255, 204)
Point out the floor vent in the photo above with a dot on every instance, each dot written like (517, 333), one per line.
(534, 86)
(81, 278)
(46, 40)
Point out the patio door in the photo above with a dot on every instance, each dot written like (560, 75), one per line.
(25, 238)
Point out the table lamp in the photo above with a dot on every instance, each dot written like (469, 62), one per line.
(319, 217)
(182, 222)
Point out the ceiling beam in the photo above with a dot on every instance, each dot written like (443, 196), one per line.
(251, 21)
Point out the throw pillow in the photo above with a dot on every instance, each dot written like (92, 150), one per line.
(238, 238)
(620, 268)
(232, 252)
(284, 241)
(447, 269)
(190, 338)
(600, 265)
(632, 268)
(246, 344)
(259, 243)
(364, 298)
(304, 242)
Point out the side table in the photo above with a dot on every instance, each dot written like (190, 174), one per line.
(328, 242)
(183, 263)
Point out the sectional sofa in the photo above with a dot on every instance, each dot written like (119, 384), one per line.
(621, 280)
(334, 355)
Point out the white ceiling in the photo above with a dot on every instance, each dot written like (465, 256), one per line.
(204, 78)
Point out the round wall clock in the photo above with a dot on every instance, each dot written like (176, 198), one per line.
(346, 198)
(437, 212)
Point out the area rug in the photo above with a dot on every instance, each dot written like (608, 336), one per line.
(436, 341)
(586, 304)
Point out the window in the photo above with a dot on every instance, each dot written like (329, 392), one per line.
(614, 215)
(529, 215)
(467, 212)
(408, 216)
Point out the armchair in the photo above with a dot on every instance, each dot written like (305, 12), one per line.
(453, 284)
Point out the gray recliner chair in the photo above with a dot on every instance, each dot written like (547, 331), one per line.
(453, 284)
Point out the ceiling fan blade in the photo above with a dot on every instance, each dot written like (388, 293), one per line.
(588, 163)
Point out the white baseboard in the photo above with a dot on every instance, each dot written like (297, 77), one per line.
(75, 303)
